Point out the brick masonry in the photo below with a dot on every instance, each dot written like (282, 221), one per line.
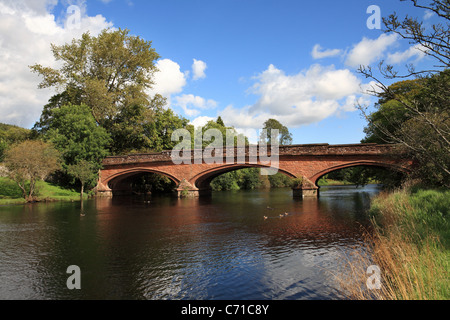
(309, 162)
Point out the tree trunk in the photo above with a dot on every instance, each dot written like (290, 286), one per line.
(82, 191)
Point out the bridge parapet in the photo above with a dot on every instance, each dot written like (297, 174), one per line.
(291, 150)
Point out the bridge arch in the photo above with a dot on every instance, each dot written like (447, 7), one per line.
(117, 182)
(315, 179)
(202, 180)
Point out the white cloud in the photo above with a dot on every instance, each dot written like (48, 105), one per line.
(198, 69)
(189, 100)
(368, 50)
(201, 121)
(299, 99)
(27, 29)
(169, 79)
(319, 53)
(416, 51)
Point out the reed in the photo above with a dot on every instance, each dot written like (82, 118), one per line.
(409, 242)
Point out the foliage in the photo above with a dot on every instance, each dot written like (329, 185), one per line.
(160, 129)
(108, 73)
(280, 180)
(297, 182)
(285, 137)
(111, 74)
(415, 113)
(418, 119)
(84, 171)
(29, 162)
(3, 147)
(9, 135)
(230, 132)
(75, 134)
(363, 175)
(10, 193)
(152, 183)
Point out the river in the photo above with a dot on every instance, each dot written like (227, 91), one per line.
(216, 248)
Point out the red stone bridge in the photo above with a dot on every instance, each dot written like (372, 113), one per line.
(307, 162)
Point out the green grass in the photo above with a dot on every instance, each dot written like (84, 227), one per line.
(330, 182)
(10, 193)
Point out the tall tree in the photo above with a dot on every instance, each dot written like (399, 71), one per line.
(284, 137)
(108, 73)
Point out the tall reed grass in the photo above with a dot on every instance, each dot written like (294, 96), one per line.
(410, 243)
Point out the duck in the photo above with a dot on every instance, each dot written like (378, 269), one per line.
(286, 214)
(265, 218)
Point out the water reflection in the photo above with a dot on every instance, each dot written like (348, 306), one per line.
(167, 248)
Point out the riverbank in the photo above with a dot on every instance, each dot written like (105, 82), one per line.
(330, 182)
(410, 244)
(10, 193)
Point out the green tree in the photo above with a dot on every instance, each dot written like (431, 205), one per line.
(160, 129)
(110, 74)
(29, 162)
(224, 131)
(415, 114)
(74, 132)
(225, 182)
(220, 122)
(3, 147)
(85, 172)
(284, 138)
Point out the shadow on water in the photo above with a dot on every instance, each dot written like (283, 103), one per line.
(162, 247)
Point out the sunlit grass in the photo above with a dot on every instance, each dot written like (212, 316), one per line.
(10, 193)
(409, 243)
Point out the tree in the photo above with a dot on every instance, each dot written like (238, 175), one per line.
(225, 132)
(159, 130)
(85, 172)
(74, 132)
(285, 137)
(29, 162)
(415, 114)
(220, 122)
(109, 73)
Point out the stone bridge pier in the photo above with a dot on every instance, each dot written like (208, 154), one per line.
(304, 163)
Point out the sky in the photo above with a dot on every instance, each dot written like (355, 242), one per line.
(244, 60)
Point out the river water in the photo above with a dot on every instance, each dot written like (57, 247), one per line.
(217, 248)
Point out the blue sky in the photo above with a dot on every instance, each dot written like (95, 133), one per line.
(246, 60)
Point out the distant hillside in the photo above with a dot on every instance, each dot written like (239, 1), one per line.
(12, 134)
(9, 135)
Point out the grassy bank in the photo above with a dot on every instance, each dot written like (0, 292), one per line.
(10, 193)
(410, 244)
(330, 182)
